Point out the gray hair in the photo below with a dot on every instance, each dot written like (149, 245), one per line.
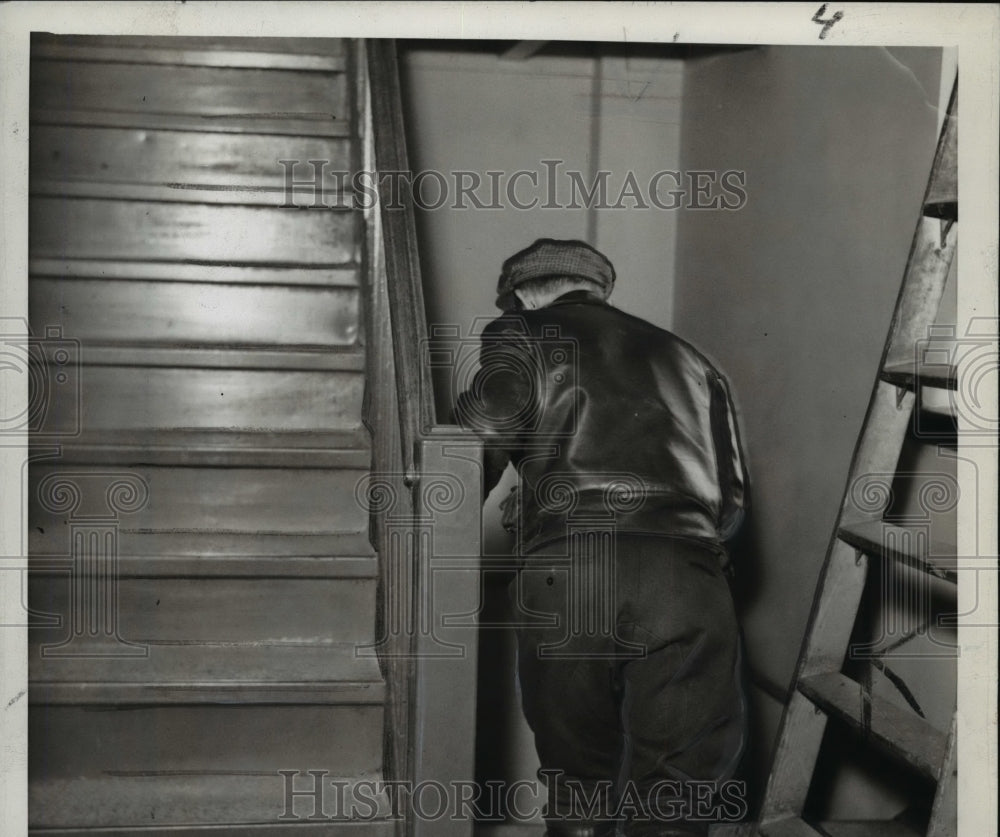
(545, 289)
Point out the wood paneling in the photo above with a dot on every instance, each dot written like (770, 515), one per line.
(101, 310)
(402, 262)
(183, 158)
(80, 228)
(246, 500)
(205, 91)
(446, 659)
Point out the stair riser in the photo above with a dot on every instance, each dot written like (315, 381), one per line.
(217, 609)
(124, 398)
(97, 310)
(225, 806)
(210, 545)
(289, 500)
(79, 741)
(113, 673)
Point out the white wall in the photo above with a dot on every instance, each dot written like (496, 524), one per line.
(794, 294)
(476, 112)
(639, 132)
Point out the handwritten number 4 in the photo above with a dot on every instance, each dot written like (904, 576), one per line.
(828, 23)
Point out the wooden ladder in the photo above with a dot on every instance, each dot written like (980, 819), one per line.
(821, 688)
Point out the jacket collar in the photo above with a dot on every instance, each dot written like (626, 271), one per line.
(576, 297)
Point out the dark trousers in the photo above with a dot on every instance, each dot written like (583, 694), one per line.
(630, 678)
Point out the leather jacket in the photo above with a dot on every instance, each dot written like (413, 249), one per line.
(609, 420)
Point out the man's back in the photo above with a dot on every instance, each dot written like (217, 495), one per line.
(604, 413)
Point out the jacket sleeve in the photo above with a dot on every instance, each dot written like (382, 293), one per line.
(502, 400)
(734, 482)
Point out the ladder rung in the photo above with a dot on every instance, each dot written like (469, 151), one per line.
(791, 827)
(931, 426)
(885, 540)
(795, 827)
(899, 731)
(722, 829)
(868, 828)
(937, 375)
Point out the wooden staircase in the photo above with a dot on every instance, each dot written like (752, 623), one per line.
(202, 573)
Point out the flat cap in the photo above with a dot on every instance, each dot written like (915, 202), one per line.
(550, 257)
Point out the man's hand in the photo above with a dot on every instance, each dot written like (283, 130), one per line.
(511, 508)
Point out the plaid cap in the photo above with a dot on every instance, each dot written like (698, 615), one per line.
(549, 257)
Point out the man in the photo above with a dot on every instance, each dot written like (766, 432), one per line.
(631, 480)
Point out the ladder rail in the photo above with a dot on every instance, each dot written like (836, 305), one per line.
(842, 578)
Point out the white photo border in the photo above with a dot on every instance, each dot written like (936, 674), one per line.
(971, 29)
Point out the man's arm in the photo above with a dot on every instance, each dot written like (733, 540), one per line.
(502, 399)
(734, 482)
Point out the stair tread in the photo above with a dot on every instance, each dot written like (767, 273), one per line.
(898, 730)
(350, 448)
(352, 460)
(171, 800)
(221, 457)
(910, 375)
(870, 536)
(208, 673)
(222, 356)
(184, 437)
